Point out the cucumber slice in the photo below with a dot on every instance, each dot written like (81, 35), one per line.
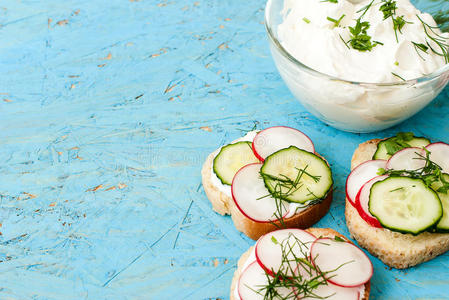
(296, 175)
(443, 224)
(390, 145)
(232, 158)
(405, 204)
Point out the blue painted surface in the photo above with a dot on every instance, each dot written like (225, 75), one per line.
(107, 111)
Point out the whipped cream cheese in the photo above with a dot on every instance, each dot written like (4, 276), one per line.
(294, 208)
(309, 34)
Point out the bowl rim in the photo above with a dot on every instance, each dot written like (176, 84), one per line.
(437, 73)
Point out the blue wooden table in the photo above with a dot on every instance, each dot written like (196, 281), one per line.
(107, 112)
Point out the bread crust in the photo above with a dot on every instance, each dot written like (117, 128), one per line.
(397, 250)
(223, 204)
(318, 232)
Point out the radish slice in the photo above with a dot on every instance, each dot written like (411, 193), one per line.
(360, 175)
(362, 201)
(407, 159)
(326, 290)
(252, 197)
(348, 266)
(271, 248)
(273, 139)
(439, 154)
(335, 292)
(253, 281)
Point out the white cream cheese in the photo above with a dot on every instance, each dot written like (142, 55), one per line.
(294, 208)
(308, 35)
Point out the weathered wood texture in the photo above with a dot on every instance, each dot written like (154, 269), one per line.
(107, 111)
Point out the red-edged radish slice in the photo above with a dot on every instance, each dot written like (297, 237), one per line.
(362, 201)
(439, 154)
(271, 247)
(360, 175)
(326, 290)
(252, 282)
(407, 159)
(348, 266)
(273, 139)
(335, 292)
(252, 197)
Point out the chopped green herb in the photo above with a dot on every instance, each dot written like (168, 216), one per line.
(274, 240)
(331, 1)
(360, 40)
(396, 75)
(398, 142)
(336, 22)
(306, 20)
(396, 63)
(339, 239)
(388, 8)
(398, 189)
(431, 173)
(365, 8)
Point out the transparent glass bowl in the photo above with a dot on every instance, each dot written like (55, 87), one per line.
(346, 105)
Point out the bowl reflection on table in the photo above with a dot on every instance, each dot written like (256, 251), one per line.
(346, 105)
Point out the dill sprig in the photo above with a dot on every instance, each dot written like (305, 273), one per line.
(296, 273)
(398, 76)
(336, 22)
(282, 187)
(421, 47)
(331, 1)
(430, 173)
(434, 36)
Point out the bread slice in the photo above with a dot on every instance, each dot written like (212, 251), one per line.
(395, 249)
(318, 232)
(223, 204)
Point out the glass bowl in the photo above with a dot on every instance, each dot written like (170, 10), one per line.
(347, 105)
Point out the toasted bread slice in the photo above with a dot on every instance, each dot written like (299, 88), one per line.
(223, 204)
(318, 232)
(395, 249)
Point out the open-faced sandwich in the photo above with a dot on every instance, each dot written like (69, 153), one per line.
(269, 179)
(397, 199)
(302, 264)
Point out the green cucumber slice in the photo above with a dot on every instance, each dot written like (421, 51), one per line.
(443, 224)
(405, 205)
(232, 158)
(296, 175)
(388, 147)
